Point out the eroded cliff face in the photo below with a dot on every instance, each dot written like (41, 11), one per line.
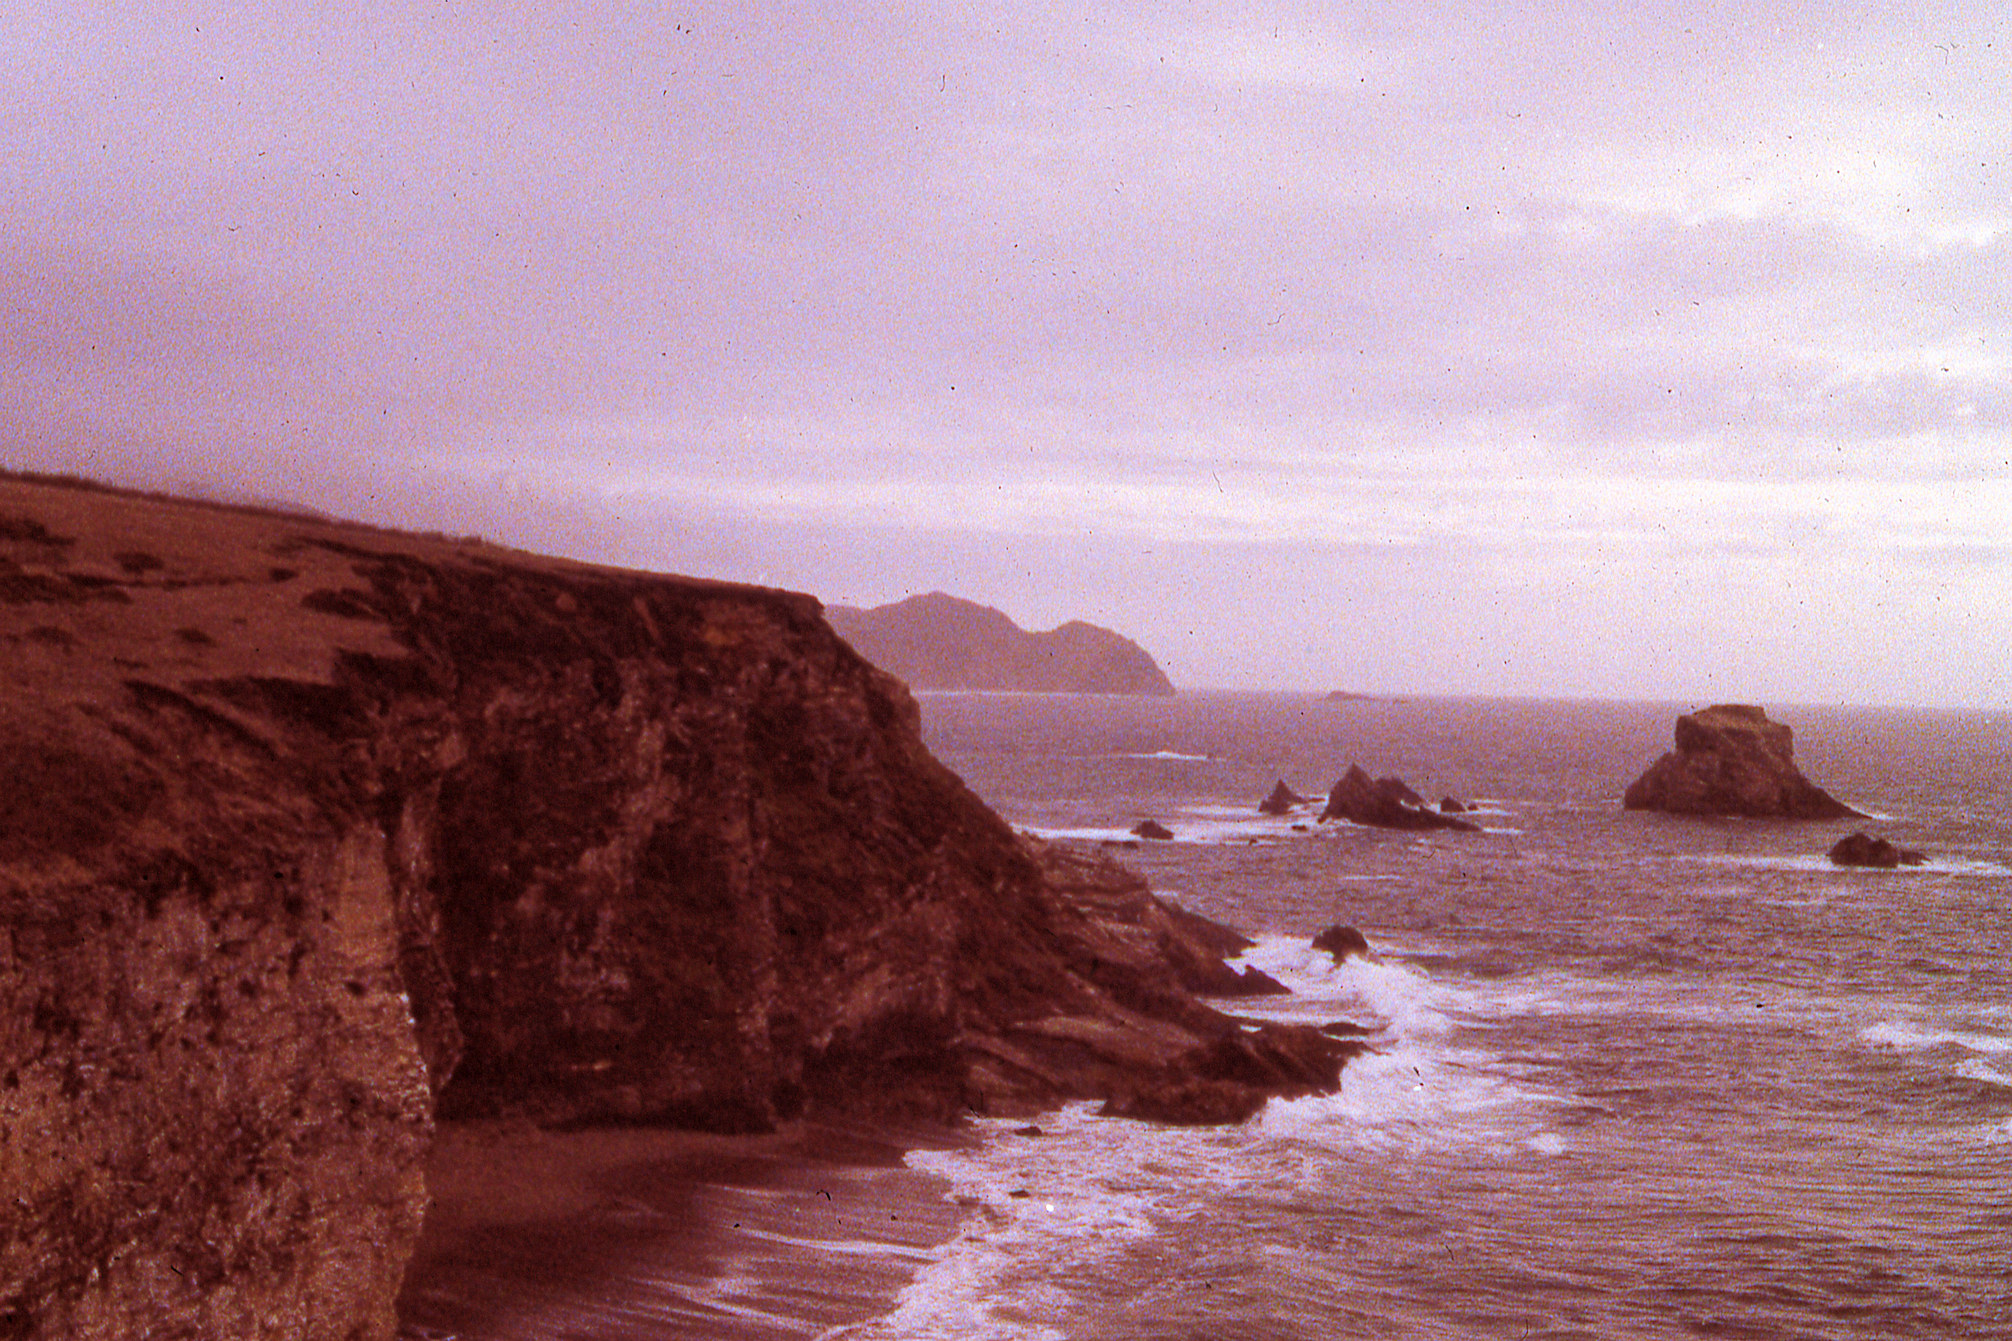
(310, 830)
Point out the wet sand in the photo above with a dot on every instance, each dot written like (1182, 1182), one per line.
(633, 1233)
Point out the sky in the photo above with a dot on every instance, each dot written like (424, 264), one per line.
(1642, 351)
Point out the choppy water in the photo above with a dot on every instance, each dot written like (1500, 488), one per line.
(1635, 1075)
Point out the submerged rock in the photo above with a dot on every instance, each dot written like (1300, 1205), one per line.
(1732, 760)
(1384, 803)
(1282, 801)
(1860, 849)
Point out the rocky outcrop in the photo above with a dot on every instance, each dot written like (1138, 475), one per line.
(1451, 806)
(938, 641)
(1384, 803)
(1230, 1079)
(1283, 800)
(312, 832)
(1124, 938)
(1860, 849)
(1152, 829)
(1732, 760)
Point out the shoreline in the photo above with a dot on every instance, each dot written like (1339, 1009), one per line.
(657, 1233)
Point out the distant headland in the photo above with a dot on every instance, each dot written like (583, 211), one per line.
(938, 641)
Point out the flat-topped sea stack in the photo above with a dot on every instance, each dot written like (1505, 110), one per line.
(1732, 760)
(938, 641)
(1385, 803)
(312, 834)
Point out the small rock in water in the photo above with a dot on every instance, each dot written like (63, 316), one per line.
(1341, 942)
(1152, 829)
(1449, 806)
(1859, 849)
(1029, 1130)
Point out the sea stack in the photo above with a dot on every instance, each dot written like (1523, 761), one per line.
(1384, 803)
(1282, 801)
(1732, 760)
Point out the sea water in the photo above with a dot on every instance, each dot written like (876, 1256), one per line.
(1633, 1075)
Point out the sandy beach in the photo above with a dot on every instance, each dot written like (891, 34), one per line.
(663, 1234)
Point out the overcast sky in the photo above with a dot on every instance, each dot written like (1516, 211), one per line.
(1635, 351)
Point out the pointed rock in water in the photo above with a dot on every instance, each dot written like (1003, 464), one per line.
(1153, 829)
(1449, 806)
(1860, 849)
(1384, 803)
(1282, 800)
(1732, 760)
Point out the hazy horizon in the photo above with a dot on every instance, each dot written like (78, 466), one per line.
(1588, 352)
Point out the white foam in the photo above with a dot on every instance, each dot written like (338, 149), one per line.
(1902, 1036)
(1211, 825)
(1935, 864)
(1086, 1189)
(1172, 754)
(1404, 1002)
(1977, 1068)
(1416, 1097)
(1088, 835)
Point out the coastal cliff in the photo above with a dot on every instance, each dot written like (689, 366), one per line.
(315, 832)
(937, 641)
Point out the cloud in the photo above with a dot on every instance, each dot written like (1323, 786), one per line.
(1549, 295)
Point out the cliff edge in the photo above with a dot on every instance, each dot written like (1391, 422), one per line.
(314, 831)
(1732, 760)
(937, 641)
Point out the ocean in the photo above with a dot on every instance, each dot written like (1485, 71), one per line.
(1634, 1075)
